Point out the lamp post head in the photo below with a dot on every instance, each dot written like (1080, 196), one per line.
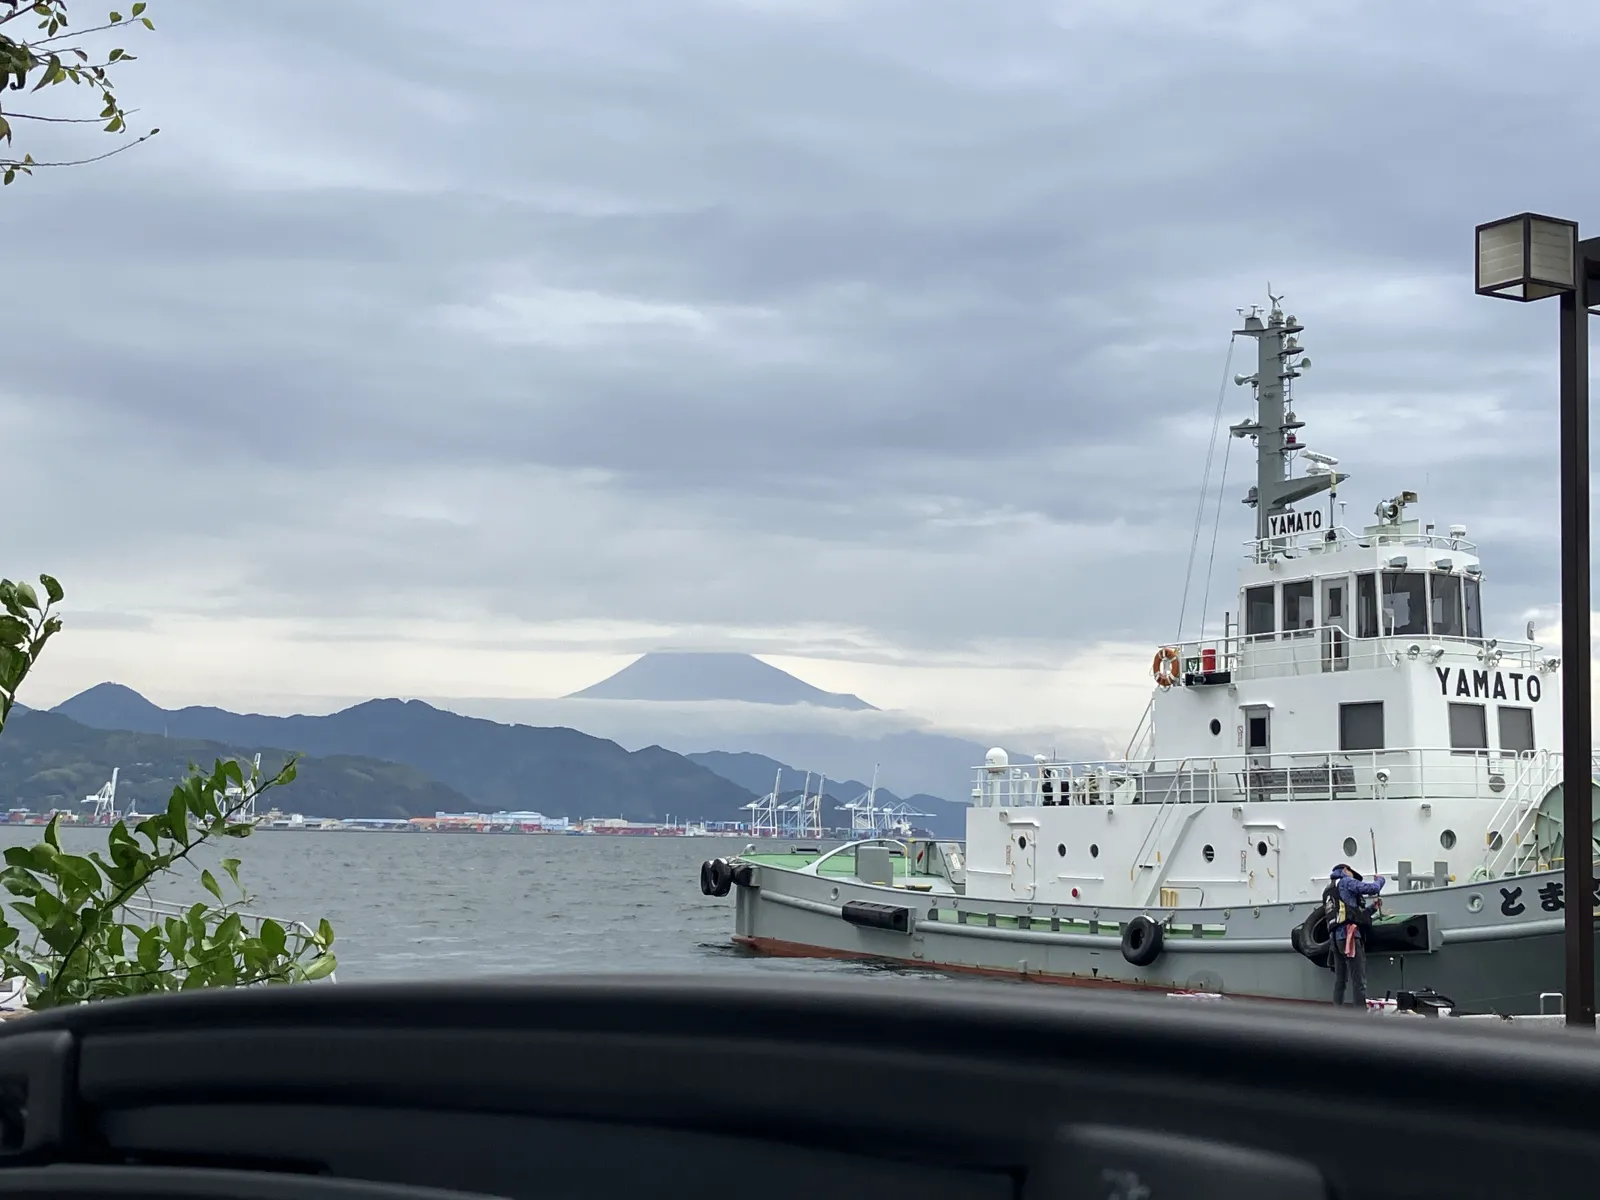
(1526, 257)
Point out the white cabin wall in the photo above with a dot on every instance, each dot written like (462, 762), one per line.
(1305, 708)
(1305, 713)
(1105, 844)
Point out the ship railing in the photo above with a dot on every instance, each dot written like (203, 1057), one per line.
(1313, 540)
(1143, 734)
(1320, 649)
(1153, 850)
(1402, 773)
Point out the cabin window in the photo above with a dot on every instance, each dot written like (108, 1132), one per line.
(1446, 604)
(1405, 603)
(1260, 610)
(1361, 725)
(1474, 607)
(1299, 607)
(1516, 729)
(1367, 605)
(1469, 727)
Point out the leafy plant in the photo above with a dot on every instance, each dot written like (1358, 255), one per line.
(98, 931)
(55, 56)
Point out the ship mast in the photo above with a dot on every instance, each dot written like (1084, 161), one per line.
(1275, 423)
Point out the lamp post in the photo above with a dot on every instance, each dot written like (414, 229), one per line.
(1529, 257)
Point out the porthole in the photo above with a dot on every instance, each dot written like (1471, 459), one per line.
(1022, 842)
(1474, 903)
(1447, 839)
(1094, 850)
(1350, 847)
(1216, 727)
(1210, 852)
(1261, 849)
(1496, 841)
(1061, 849)
(834, 894)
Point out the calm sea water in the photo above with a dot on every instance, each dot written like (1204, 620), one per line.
(417, 906)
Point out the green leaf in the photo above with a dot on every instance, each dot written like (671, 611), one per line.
(52, 836)
(116, 18)
(178, 816)
(20, 882)
(231, 866)
(147, 22)
(138, 8)
(52, 589)
(321, 967)
(273, 937)
(80, 871)
(27, 597)
(209, 882)
(149, 951)
(324, 933)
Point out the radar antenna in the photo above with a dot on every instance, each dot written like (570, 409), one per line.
(1274, 424)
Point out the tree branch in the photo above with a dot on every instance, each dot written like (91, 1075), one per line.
(10, 164)
(16, 116)
(45, 41)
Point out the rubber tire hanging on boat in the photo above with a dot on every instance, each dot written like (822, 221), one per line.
(1141, 941)
(1311, 939)
(716, 877)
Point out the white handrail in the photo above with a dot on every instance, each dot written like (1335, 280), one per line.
(1400, 773)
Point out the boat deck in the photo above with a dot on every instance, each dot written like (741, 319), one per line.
(843, 866)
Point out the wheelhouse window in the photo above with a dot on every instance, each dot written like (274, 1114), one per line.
(1469, 727)
(1405, 603)
(1445, 606)
(1299, 607)
(1516, 729)
(1474, 607)
(1367, 605)
(1361, 725)
(1260, 610)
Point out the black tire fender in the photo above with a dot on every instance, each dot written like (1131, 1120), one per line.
(1141, 941)
(716, 877)
(1311, 938)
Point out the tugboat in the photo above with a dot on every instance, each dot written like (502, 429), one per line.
(1355, 713)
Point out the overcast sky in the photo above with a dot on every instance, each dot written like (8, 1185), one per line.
(466, 349)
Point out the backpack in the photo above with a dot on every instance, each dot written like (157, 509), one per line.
(1340, 913)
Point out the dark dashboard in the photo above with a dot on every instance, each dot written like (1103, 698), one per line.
(784, 1089)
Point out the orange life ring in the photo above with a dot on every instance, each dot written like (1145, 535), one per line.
(1165, 666)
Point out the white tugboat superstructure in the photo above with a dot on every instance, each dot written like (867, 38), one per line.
(1354, 712)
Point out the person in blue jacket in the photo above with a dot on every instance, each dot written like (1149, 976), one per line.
(1349, 918)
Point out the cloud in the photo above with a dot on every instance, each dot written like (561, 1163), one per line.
(877, 334)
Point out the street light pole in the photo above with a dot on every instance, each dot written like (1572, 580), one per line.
(1530, 257)
(1577, 817)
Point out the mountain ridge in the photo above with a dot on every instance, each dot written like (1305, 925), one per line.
(48, 760)
(556, 770)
